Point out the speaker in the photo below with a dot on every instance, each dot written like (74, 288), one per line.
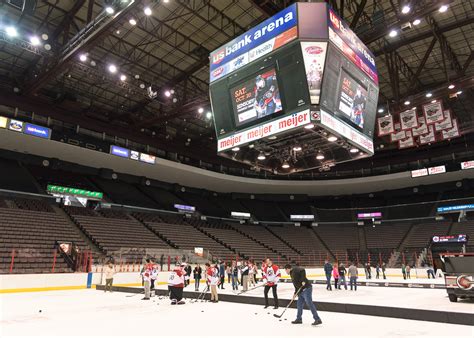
(106, 173)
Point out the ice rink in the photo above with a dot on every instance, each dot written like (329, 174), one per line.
(93, 312)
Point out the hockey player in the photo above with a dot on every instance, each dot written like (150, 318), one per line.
(146, 275)
(271, 276)
(213, 281)
(155, 269)
(266, 94)
(176, 284)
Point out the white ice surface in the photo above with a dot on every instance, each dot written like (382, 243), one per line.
(91, 312)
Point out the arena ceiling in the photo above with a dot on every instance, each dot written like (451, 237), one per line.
(167, 53)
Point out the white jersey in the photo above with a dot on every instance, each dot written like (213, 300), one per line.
(176, 277)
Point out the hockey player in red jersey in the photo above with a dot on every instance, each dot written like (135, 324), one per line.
(176, 284)
(271, 276)
(213, 280)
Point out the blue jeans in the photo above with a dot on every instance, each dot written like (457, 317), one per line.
(342, 281)
(353, 281)
(306, 296)
(235, 282)
(328, 282)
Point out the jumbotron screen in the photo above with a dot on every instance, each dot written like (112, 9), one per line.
(256, 98)
(352, 101)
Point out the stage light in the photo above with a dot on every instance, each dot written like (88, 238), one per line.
(297, 148)
(309, 126)
(47, 46)
(83, 57)
(235, 149)
(123, 77)
(406, 9)
(201, 110)
(443, 8)
(147, 11)
(416, 22)
(381, 110)
(451, 86)
(406, 103)
(112, 68)
(167, 93)
(354, 150)
(208, 115)
(109, 10)
(133, 22)
(11, 31)
(320, 156)
(44, 36)
(393, 33)
(261, 157)
(332, 138)
(35, 41)
(429, 95)
(285, 165)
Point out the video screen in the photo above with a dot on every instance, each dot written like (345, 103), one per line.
(352, 101)
(256, 98)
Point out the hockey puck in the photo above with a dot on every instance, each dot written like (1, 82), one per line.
(255, 312)
(268, 313)
(202, 310)
(40, 311)
(280, 320)
(286, 319)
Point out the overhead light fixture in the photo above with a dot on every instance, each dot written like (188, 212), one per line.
(117, 32)
(406, 9)
(429, 94)
(451, 86)
(261, 157)
(166, 1)
(381, 110)
(147, 11)
(332, 138)
(459, 92)
(393, 33)
(167, 93)
(309, 126)
(112, 68)
(235, 149)
(201, 110)
(406, 103)
(443, 8)
(109, 10)
(133, 22)
(83, 57)
(251, 146)
(285, 165)
(44, 36)
(272, 137)
(354, 150)
(433, 101)
(416, 22)
(11, 31)
(208, 115)
(35, 41)
(320, 156)
(123, 77)
(297, 148)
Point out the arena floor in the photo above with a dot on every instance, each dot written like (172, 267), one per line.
(93, 313)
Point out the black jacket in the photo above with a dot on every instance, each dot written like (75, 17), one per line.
(197, 272)
(298, 276)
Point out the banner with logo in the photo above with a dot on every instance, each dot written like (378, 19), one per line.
(15, 125)
(407, 142)
(147, 158)
(422, 127)
(3, 122)
(119, 151)
(452, 132)
(314, 56)
(408, 119)
(447, 123)
(430, 137)
(398, 135)
(385, 125)
(433, 112)
(38, 131)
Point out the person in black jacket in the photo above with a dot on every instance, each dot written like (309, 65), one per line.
(342, 276)
(188, 270)
(197, 277)
(304, 291)
(328, 271)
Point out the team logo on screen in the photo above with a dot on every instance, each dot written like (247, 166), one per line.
(314, 50)
(218, 71)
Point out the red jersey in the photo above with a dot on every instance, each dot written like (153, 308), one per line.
(176, 277)
(271, 274)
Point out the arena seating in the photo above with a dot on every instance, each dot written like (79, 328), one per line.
(14, 176)
(386, 235)
(31, 231)
(420, 234)
(339, 237)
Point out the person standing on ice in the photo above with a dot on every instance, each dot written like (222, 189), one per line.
(213, 279)
(335, 275)
(176, 284)
(271, 277)
(304, 291)
(146, 275)
(328, 271)
(197, 277)
(244, 271)
(109, 276)
(353, 274)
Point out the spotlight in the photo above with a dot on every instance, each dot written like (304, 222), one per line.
(272, 137)
(354, 150)
(416, 22)
(11, 31)
(201, 110)
(133, 22)
(172, 91)
(47, 46)
(443, 8)
(44, 37)
(137, 76)
(320, 156)
(235, 149)
(285, 165)
(208, 115)
(35, 41)
(459, 92)
(433, 101)
(166, 1)
(309, 126)
(381, 110)
(109, 10)
(112, 68)
(451, 86)
(83, 57)
(406, 103)
(147, 11)
(167, 93)
(261, 157)
(297, 148)
(117, 32)
(93, 64)
(406, 9)
(332, 138)
(429, 95)
(393, 33)
(251, 146)
(123, 77)
(142, 85)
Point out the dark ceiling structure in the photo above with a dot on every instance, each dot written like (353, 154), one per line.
(159, 51)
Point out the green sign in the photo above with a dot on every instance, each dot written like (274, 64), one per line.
(74, 191)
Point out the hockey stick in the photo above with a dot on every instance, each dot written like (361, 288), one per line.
(289, 304)
(256, 287)
(202, 294)
(135, 294)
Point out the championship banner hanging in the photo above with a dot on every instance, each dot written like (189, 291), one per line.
(385, 125)
(433, 112)
(408, 142)
(422, 127)
(408, 119)
(446, 124)
(398, 135)
(430, 137)
(451, 133)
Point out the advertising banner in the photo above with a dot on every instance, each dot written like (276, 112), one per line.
(38, 131)
(352, 47)
(314, 56)
(433, 112)
(385, 125)
(278, 29)
(467, 165)
(419, 173)
(408, 119)
(437, 170)
(147, 158)
(256, 98)
(430, 137)
(119, 151)
(364, 215)
(134, 155)
(452, 132)
(352, 100)
(57, 189)
(3, 122)
(456, 208)
(15, 125)
(447, 123)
